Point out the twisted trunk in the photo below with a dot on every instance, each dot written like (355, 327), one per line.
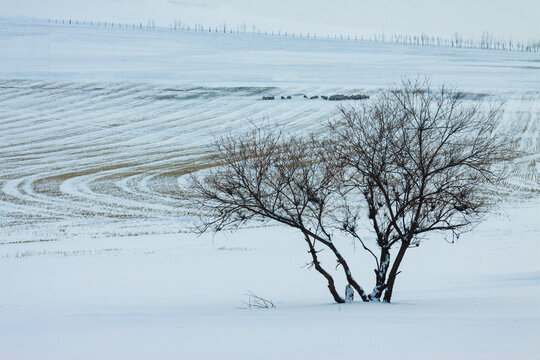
(341, 261)
(380, 275)
(320, 269)
(348, 274)
(394, 271)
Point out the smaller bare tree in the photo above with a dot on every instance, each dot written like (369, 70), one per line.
(267, 176)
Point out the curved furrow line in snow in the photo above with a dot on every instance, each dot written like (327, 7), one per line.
(109, 153)
(61, 112)
(153, 117)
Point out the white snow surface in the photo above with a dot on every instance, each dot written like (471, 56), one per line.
(178, 297)
(99, 125)
(516, 19)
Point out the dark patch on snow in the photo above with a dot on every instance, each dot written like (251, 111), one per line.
(338, 97)
(472, 96)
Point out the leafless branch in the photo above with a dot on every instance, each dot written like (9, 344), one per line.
(257, 302)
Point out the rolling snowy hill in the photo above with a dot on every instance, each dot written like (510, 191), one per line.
(98, 125)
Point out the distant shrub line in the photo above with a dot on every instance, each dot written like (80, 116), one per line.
(336, 97)
(486, 41)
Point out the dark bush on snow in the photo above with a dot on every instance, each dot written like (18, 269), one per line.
(338, 97)
(358, 97)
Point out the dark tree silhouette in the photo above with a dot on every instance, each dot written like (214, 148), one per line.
(420, 159)
(410, 162)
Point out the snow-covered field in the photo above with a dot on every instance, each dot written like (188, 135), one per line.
(98, 126)
(517, 19)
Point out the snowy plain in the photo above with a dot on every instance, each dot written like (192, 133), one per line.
(99, 125)
(517, 19)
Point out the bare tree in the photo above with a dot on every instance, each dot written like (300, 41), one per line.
(412, 161)
(266, 175)
(420, 159)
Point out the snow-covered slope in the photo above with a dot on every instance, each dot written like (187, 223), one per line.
(39, 50)
(178, 297)
(98, 123)
(517, 19)
(97, 127)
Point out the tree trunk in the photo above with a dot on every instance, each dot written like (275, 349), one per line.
(320, 269)
(394, 271)
(349, 294)
(380, 275)
(347, 271)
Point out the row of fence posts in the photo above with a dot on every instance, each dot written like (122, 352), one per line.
(487, 41)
